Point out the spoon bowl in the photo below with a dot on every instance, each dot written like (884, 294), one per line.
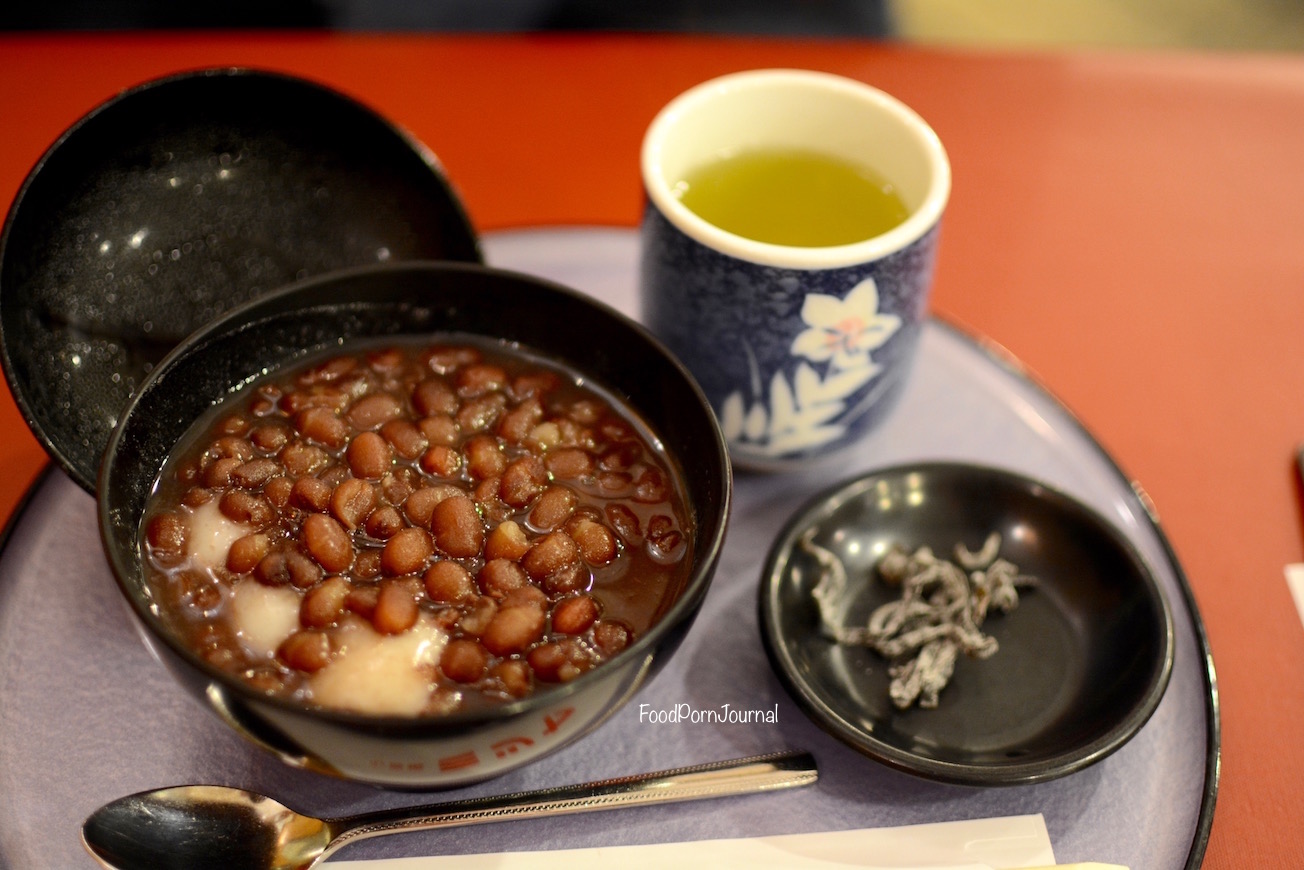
(210, 827)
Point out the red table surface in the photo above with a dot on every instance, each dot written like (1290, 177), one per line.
(1126, 225)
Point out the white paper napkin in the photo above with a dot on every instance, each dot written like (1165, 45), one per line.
(1295, 580)
(978, 844)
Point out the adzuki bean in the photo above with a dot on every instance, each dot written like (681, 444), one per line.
(352, 502)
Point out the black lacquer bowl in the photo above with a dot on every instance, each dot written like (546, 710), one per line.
(1083, 660)
(174, 202)
(416, 300)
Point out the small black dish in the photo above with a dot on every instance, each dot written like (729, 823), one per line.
(1083, 661)
(177, 200)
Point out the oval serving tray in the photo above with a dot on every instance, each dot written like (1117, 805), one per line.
(86, 715)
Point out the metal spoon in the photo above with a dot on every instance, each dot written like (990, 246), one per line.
(197, 827)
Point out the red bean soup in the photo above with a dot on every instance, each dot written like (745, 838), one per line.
(416, 530)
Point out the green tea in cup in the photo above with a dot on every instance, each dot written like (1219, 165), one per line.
(787, 252)
(795, 197)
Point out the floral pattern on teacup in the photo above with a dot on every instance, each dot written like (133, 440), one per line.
(810, 411)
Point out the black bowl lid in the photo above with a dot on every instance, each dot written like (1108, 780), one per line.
(176, 201)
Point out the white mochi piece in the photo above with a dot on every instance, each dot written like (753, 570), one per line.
(380, 674)
(264, 616)
(211, 535)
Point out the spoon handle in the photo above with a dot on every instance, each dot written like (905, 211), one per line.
(717, 779)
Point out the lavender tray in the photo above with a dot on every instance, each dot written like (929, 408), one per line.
(87, 715)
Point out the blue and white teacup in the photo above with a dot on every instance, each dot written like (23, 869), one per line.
(800, 350)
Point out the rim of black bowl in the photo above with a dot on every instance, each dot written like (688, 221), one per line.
(685, 606)
(953, 772)
(463, 246)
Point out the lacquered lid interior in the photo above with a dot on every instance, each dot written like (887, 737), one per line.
(176, 201)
